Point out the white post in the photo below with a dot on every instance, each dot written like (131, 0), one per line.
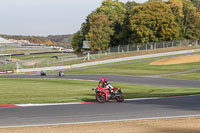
(155, 45)
(164, 44)
(17, 66)
(99, 53)
(33, 61)
(118, 49)
(197, 43)
(146, 46)
(138, 48)
(88, 55)
(172, 43)
(127, 48)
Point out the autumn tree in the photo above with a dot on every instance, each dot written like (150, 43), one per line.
(99, 34)
(47, 41)
(127, 31)
(177, 7)
(37, 41)
(80, 36)
(155, 0)
(77, 41)
(191, 21)
(116, 14)
(196, 4)
(153, 21)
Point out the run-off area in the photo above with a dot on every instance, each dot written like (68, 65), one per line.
(173, 125)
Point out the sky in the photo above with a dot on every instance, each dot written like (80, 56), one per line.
(45, 17)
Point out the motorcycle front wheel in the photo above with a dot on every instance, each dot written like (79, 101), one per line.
(101, 98)
(119, 96)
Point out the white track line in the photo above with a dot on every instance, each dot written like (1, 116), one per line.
(90, 122)
(50, 104)
(89, 102)
(141, 99)
(54, 104)
(77, 103)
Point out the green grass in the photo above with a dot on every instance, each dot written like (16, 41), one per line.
(14, 51)
(188, 76)
(44, 60)
(41, 56)
(23, 91)
(138, 68)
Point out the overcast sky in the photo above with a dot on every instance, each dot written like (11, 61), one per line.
(45, 17)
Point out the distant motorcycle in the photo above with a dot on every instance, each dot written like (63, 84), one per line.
(105, 94)
(42, 73)
(60, 74)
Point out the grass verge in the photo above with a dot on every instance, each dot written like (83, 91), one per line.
(136, 68)
(24, 91)
(188, 76)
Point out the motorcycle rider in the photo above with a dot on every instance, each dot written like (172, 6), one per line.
(105, 83)
(60, 74)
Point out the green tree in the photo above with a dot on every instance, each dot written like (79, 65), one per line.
(127, 32)
(191, 21)
(114, 10)
(153, 21)
(177, 7)
(155, 0)
(196, 3)
(77, 41)
(116, 14)
(99, 32)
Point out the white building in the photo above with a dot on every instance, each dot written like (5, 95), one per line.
(22, 42)
(3, 41)
(7, 43)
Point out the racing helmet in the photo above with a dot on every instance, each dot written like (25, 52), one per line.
(102, 80)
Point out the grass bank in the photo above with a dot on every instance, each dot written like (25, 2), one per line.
(23, 91)
(188, 76)
(136, 68)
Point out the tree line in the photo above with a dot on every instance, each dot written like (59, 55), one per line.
(49, 40)
(117, 23)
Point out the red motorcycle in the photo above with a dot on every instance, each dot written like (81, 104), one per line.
(105, 94)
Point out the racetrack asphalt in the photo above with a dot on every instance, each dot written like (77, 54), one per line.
(93, 112)
(89, 112)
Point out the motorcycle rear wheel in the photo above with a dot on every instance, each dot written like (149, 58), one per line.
(101, 98)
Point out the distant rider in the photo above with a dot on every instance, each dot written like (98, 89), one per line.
(60, 74)
(105, 83)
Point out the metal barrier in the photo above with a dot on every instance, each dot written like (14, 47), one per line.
(79, 59)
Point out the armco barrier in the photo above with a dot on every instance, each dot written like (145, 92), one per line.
(5, 72)
(43, 69)
(108, 61)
